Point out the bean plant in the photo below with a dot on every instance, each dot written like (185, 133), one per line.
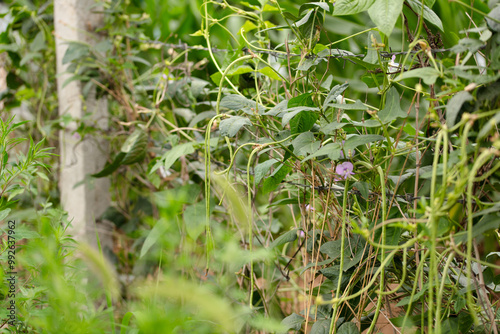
(319, 167)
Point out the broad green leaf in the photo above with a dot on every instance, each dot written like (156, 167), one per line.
(385, 13)
(334, 92)
(303, 121)
(237, 102)
(323, 5)
(293, 322)
(454, 105)
(308, 63)
(110, 168)
(248, 26)
(292, 112)
(304, 100)
(321, 327)
(38, 43)
(175, 153)
(332, 248)
(358, 105)
(285, 238)
(75, 51)
(428, 74)
(278, 109)
(4, 213)
(494, 14)
(285, 201)
(261, 169)
(352, 142)
(305, 143)
(331, 127)
(202, 116)
(272, 182)
(409, 299)
(332, 150)
(349, 7)
(269, 72)
(304, 19)
(135, 147)
(392, 108)
(369, 123)
(485, 130)
(429, 14)
(230, 126)
(348, 328)
(154, 235)
(487, 223)
(194, 218)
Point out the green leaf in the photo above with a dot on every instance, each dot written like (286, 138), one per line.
(261, 169)
(331, 127)
(4, 213)
(304, 100)
(194, 218)
(285, 238)
(303, 122)
(304, 19)
(487, 223)
(75, 51)
(110, 168)
(356, 140)
(278, 109)
(308, 5)
(272, 182)
(385, 13)
(488, 126)
(175, 153)
(358, 105)
(348, 328)
(428, 74)
(237, 102)
(285, 201)
(154, 235)
(454, 105)
(392, 109)
(135, 147)
(321, 327)
(305, 143)
(269, 72)
(38, 43)
(292, 112)
(230, 126)
(332, 150)
(349, 7)
(293, 321)
(334, 92)
(429, 14)
(450, 325)
(411, 299)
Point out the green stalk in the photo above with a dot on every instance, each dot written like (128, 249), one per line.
(333, 327)
(382, 253)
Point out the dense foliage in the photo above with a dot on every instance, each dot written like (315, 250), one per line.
(277, 166)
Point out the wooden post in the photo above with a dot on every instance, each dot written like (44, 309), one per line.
(85, 199)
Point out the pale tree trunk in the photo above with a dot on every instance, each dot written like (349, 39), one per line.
(84, 198)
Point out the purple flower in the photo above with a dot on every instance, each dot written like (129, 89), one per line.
(344, 170)
(309, 208)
